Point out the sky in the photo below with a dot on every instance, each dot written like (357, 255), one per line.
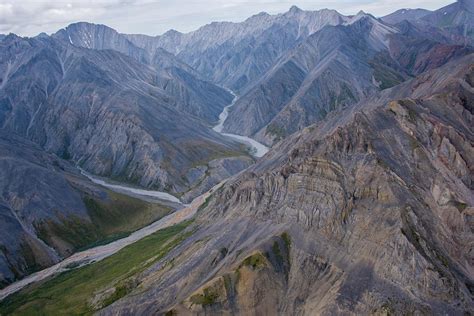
(154, 17)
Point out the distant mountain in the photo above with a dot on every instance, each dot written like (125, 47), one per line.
(405, 15)
(327, 71)
(106, 112)
(193, 94)
(456, 19)
(331, 69)
(237, 54)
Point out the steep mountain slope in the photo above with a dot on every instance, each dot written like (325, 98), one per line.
(193, 94)
(418, 48)
(456, 19)
(105, 112)
(237, 54)
(329, 70)
(49, 210)
(368, 211)
(333, 68)
(405, 15)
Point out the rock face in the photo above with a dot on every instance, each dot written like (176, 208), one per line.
(204, 178)
(368, 211)
(106, 112)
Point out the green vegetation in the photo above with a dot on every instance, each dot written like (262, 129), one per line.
(70, 293)
(118, 293)
(209, 297)
(228, 283)
(276, 131)
(339, 99)
(385, 71)
(255, 261)
(286, 239)
(460, 206)
(112, 218)
(205, 204)
(276, 251)
(120, 213)
(282, 252)
(411, 114)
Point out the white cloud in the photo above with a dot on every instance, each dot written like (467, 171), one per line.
(30, 17)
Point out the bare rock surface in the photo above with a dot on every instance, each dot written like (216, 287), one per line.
(368, 211)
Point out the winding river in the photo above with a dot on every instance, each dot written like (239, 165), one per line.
(256, 149)
(120, 188)
(101, 252)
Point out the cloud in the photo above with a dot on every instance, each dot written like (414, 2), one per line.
(30, 17)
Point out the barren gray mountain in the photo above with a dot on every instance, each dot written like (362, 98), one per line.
(106, 112)
(456, 19)
(193, 94)
(237, 54)
(333, 68)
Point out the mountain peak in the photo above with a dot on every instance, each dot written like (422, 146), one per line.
(258, 16)
(84, 24)
(11, 37)
(172, 32)
(361, 15)
(294, 9)
(42, 35)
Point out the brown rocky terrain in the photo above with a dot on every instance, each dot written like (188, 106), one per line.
(367, 212)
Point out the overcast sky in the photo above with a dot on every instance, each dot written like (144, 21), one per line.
(154, 17)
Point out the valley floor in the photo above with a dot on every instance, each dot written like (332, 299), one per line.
(96, 254)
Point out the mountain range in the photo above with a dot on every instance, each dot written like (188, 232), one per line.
(363, 205)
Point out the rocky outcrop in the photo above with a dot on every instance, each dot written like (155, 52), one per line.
(368, 211)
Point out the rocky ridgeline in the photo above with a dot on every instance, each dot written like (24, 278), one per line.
(369, 211)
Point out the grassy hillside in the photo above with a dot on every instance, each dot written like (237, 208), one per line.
(113, 217)
(88, 289)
